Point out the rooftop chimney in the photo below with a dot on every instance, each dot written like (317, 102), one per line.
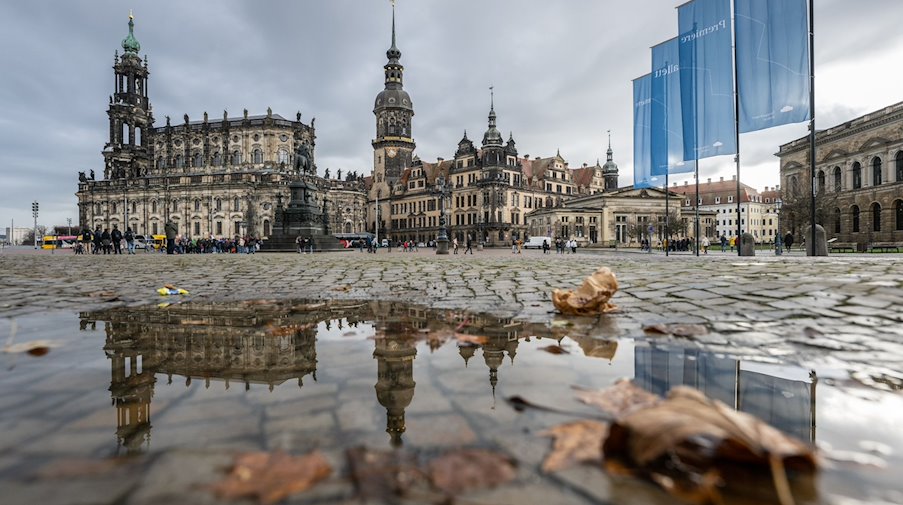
(686, 183)
(709, 181)
(733, 177)
(721, 179)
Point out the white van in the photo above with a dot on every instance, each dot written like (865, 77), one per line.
(536, 242)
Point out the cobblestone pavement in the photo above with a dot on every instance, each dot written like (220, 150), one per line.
(849, 304)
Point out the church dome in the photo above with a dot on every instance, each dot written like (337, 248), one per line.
(393, 98)
(609, 167)
(130, 43)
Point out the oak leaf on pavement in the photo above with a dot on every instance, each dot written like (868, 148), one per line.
(575, 443)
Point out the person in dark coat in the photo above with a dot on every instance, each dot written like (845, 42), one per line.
(98, 238)
(106, 240)
(788, 241)
(116, 237)
(171, 230)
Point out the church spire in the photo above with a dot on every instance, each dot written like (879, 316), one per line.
(609, 153)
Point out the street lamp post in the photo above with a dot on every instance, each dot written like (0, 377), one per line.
(778, 203)
(69, 224)
(442, 240)
(34, 212)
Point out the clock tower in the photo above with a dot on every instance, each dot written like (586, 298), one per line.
(393, 147)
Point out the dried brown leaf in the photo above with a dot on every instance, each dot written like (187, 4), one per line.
(687, 440)
(619, 400)
(684, 330)
(554, 349)
(576, 442)
(381, 475)
(34, 348)
(271, 477)
(344, 288)
(591, 298)
(466, 470)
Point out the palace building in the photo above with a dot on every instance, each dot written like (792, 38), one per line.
(221, 177)
(485, 191)
(858, 179)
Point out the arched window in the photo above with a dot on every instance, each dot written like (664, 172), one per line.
(236, 204)
(217, 159)
(898, 212)
(838, 179)
(134, 208)
(179, 162)
(857, 175)
(392, 126)
(794, 186)
(218, 204)
(154, 206)
(876, 216)
(282, 157)
(855, 212)
(97, 209)
(160, 162)
(236, 157)
(876, 171)
(899, 166)
(821, 181)
(115, 208)
(198, 160)
(139, 138)
(266, 227)
(258, 156)
(197, 205)
(836, 221)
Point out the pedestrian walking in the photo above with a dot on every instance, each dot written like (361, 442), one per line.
(98, 240)
(788, 241)
(705, 245)
(468, 246)
(455, 244)
(129, 240)
(545, 246)
(723, 243)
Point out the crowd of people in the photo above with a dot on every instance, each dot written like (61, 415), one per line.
(106, 241)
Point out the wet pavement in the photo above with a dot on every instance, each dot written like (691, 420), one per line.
(812, 346)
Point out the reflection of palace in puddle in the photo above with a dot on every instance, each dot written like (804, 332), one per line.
(274, 343)
(781, 396)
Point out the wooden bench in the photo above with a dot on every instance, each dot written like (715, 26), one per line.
(842, 246)
(884, 246)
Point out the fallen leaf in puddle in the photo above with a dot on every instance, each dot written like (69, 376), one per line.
(34, 348)
(619, 400)
(554, 349)
(271, 477)
(576, 442)
(685, 330)
(466, 470)
(381, 475)
(471, 339)
(591, 298)
(688, 444)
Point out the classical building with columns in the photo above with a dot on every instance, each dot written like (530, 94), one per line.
(214, 176)
(484, 191)
(858, 177)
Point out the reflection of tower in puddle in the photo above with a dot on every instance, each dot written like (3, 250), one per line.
(132, 388)
(501, 337)
(198, 342)
(394, 355)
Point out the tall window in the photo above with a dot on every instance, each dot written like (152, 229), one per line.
(236, 204)
(179, 162)
(857, 175)
(821, 181)
(266, 227)
(115, 208)
(855, 212)
(876, 171)
(198, 160)
(876, 216)
(282, 157)
(154, 206)
(258, 156)
(236, 157)
(197, 228)
(217, 159)
(837, 179)
(898, 212)
(218, 204)
(899, 166)
(836, 221)
(160, 162)
(219, 228)
(197, 205)
(134, 208)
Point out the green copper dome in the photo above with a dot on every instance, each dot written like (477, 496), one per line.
(130, 43)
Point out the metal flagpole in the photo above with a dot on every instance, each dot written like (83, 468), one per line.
(665, 232)
(811, 249)
(696, 231)
(737, 125)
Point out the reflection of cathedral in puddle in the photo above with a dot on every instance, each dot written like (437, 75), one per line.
(784, 397)
(243, 346)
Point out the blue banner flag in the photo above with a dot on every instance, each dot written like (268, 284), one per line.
(666, 135)
(772, 63)
(642, 122)
(707, 79)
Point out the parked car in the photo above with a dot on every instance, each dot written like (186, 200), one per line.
(384, 243)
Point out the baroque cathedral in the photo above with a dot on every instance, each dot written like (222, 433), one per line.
(220, 177)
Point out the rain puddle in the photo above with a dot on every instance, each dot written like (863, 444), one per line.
(301, 376)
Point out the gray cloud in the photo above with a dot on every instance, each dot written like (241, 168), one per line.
(561, 72)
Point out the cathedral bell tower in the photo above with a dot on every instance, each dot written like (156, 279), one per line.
(127, 153)
(610, 169)
(394, 145)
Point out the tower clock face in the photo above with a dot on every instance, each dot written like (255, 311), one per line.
(391, 152)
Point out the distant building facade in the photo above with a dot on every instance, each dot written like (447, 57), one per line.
(487, 190)
(221, 177)
(858, 173)
(718, 203)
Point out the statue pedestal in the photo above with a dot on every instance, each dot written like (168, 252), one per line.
(301, 218)
(442, 245)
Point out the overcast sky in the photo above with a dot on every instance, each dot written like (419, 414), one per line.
(562, 73)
